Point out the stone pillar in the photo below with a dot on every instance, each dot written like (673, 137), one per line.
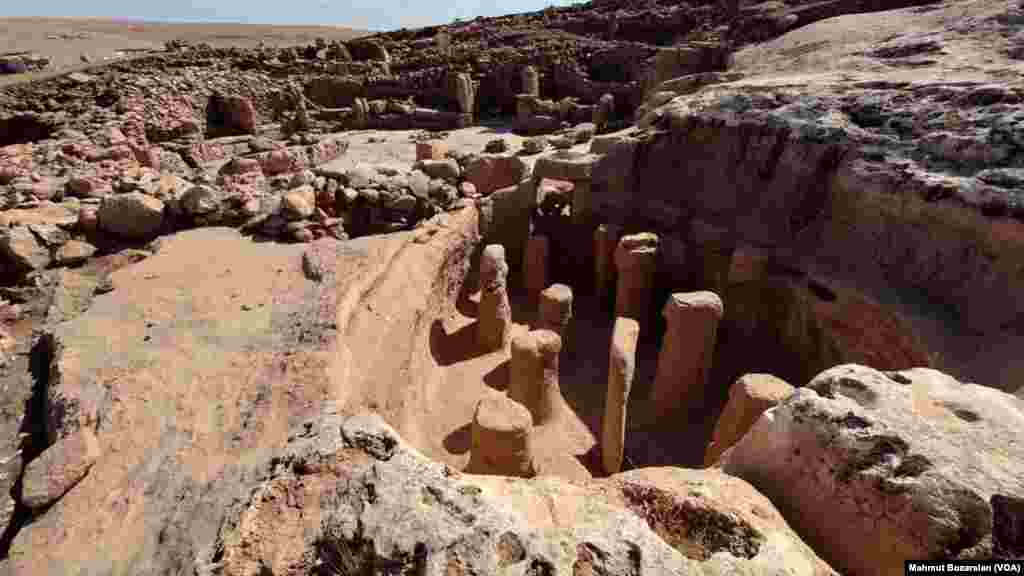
(635, 260)
(554, 311)
(581, 202)
(524, 108)
(465, 93)
(534, 374)
(360, 112)
(495, 315)
(604, 258)
(751, 396)
(684, 362)
(535, 266)
(531, 81)
(621, 368)
(604, 111)
(502, 436)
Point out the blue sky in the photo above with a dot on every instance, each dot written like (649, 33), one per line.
(366, 14)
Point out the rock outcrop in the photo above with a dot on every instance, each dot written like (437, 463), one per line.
(367, 501)
(875, 468)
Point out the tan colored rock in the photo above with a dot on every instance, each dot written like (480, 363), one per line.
(875, 468)
(59, 468)
(531, 81)
(554, 310)
(300, 203)
(502, 439)
(535, 266)
(635, 261)
(749, 397)
(63, 215)
(621, 369)
(534, 374)
(431, 150)
(495, 316)
(74, 252)
(685, 359)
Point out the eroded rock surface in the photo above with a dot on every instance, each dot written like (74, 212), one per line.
(367, 501)
(874, 468)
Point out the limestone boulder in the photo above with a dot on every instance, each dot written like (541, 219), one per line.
(749, 397)
(134, 215)
(59, 468)
(874, 468)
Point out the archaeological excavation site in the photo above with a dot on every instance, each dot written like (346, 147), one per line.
(620, 288)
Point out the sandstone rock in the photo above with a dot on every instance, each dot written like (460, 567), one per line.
(687, 355)
(554, 310)
(635, 259)
(299, 203)
(133, 215)
(495, 317)
(23, 250)
(502, 439)
(749, 397)
(74, 252)
(621, 369)
(58, 469)
(490, 173)
(929, 451)
(63, 215)
(534, 374)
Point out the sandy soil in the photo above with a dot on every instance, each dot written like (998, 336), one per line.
(66, 40)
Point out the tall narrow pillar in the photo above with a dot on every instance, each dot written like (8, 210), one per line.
(534, 374)
(604, 260)
(635, 259)
(495, 315)
(685, 360)
(535, 266)
(502, 443)
(531, 81)
(554, 311)
(581, 202)
(621, 368)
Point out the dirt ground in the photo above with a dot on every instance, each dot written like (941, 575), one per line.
(66, 40)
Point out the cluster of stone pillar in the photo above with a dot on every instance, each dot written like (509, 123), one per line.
(501, 431)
